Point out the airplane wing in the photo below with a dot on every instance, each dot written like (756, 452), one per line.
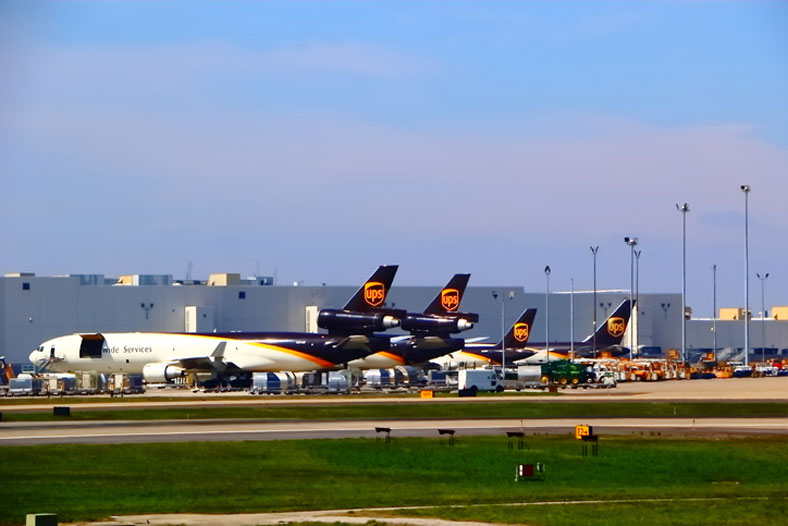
(477, 339)
(356, 341)
(430, 342)
(213, 362)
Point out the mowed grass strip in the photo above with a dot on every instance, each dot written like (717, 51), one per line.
(89, 482)
(508, 409)
(729, 510)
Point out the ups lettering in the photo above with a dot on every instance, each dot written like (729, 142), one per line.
(450, 299)
(374, 293)
(616, 326)
(521, 332)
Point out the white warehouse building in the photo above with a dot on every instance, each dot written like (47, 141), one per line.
(34, 309)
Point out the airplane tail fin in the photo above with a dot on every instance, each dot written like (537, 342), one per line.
(442, 315)
(373, 292)
(518, 334)
(448, 299)
(365, 312)
(613, 328)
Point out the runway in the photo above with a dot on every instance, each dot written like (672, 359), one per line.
(115, 432)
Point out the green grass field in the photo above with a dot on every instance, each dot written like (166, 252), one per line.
(524, 408)
(82, 482)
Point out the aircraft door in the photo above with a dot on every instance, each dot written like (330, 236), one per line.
(91, 345)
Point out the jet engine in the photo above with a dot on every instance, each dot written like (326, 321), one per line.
(161, 372)
(435, 324)
(363, 322)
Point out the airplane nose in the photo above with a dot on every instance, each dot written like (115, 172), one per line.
(34, 357)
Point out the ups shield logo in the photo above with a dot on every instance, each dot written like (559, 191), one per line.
(521, 331)
(616, 327)
(450, 299)
(374, 293)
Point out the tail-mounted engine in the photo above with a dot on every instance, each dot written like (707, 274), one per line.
(425, 324)
(350, 322)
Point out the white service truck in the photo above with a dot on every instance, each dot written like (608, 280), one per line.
(482, 379)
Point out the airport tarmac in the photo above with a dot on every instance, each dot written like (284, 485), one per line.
(769, 389)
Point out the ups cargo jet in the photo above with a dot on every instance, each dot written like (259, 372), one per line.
(162, 357)
(430, 331)
(608, 341)
(481, 354)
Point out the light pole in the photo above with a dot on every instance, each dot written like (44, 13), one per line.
(683, 209)
(746, 189)
(637, 297)
(763, 316)
(632, 242)
(147, 308)
(503, 330)
(572, 318)
(547, 313)
(594, 250)
(714, 319)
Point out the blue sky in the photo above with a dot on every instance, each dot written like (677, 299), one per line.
(323, 138)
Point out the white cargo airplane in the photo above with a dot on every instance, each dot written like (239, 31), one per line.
(162, 357)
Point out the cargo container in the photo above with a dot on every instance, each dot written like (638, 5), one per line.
(378, 378)
(89, 382)
(408, 376)
(59, 385)
(273, 383)
(25, 385)
(337, 382)
(134, 384)
(435, 377)
(309, 380)
(120, 383)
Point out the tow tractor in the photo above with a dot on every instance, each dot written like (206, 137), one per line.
(566, 372)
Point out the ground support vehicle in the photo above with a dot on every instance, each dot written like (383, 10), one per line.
(566, 372)
(480, 379)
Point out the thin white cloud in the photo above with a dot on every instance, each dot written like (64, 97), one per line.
(320, 158)
(160, 68)
(347, 58)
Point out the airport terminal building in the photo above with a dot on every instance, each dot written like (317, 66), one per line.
(36, 308)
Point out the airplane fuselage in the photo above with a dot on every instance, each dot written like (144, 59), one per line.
(416, 350)
(479, 355)
(130, 352)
